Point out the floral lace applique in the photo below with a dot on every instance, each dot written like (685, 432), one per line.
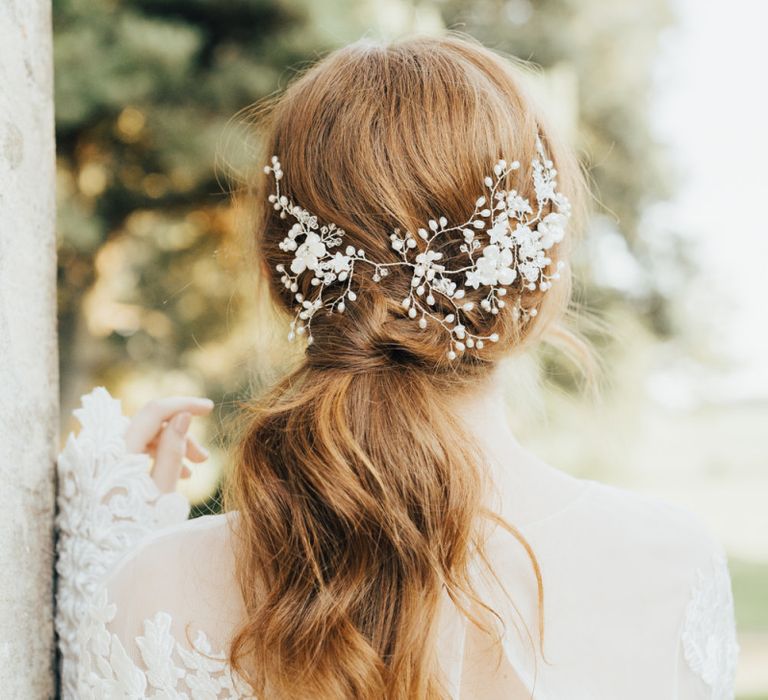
(170, 670)
(709, 630)
(107, 502)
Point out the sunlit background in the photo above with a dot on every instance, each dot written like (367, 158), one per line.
(666, 103)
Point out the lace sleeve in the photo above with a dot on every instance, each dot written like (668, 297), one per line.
(107, 503)
(708, 636)
(164, 668)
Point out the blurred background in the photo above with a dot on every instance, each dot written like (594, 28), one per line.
(663, 100)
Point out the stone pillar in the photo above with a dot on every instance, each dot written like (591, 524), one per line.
(28, 351)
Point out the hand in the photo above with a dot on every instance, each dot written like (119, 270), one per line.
(160, 430)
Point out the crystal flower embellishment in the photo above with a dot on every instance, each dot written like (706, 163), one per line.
(506, 242)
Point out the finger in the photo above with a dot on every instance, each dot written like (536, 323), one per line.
(195, 451)
(186, 472)
(148, 422)
(171, 448)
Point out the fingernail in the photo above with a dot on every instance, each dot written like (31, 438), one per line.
(181, 422)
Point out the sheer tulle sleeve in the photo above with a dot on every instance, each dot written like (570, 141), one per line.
(708, 647)
(107, 504)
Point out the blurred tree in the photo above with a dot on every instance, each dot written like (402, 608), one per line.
(143, 92)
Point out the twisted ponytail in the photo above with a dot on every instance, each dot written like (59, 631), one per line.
(361, 495)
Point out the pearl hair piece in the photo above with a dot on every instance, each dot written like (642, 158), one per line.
(505, 242)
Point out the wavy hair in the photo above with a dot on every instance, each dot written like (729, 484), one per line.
(360, 495)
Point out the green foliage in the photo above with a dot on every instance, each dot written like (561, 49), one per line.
(144, 89)
(750, 588)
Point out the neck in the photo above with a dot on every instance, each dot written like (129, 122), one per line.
(485, 415)
(528, 489)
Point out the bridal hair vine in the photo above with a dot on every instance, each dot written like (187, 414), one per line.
(505, 242)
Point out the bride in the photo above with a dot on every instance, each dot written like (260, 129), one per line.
(386, 536)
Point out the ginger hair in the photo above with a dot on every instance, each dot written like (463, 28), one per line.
(360, 495)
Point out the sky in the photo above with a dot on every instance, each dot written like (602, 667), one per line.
(711, 110)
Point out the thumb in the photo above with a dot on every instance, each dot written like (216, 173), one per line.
(171, 448)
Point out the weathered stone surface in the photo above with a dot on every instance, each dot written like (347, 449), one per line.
(28, 352)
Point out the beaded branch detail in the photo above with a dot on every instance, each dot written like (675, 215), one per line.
(505, 242)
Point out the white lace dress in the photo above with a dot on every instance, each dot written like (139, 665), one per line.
(637, 604)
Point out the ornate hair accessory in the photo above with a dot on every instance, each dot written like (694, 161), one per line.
(504, 240)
